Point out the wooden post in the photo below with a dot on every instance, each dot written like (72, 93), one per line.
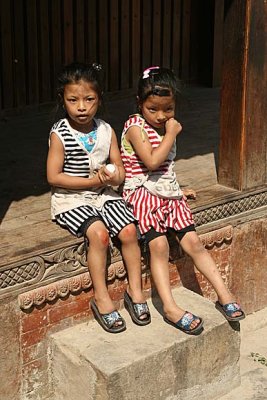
(242, 160)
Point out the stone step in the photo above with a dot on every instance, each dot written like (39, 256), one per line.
(253, 359)
(152, 362)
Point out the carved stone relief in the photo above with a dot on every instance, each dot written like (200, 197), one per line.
(83, 281)
(56, 265)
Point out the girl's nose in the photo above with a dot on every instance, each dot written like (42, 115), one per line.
(161, 117)
(81, 106)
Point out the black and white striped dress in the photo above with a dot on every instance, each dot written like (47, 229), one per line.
(72, 209)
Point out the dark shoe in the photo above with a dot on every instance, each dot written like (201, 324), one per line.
(109, 321)
(229, 309)
(185, 322)
(136, 310)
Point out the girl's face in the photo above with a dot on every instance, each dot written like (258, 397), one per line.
(157, 110)
(81, 103)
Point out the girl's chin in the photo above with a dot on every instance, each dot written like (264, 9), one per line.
(81, 123)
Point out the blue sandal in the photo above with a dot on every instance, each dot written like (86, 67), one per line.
(185, 322)
(229, 309)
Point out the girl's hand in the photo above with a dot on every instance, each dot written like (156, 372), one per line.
(173, 127)
(107, 176)
(189, 194)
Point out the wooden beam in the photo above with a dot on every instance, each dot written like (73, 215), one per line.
(242, 161)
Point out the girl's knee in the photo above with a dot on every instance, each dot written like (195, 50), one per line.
(98, 235)
(128, 234)
(159, 245)
(194, 245)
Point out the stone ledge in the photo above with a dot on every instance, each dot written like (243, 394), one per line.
(57, 261)
(152, 362)
(116, 270)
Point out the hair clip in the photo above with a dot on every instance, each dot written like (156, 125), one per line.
(97, 67)
(147, 71)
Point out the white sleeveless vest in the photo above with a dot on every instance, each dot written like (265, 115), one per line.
(79, 162)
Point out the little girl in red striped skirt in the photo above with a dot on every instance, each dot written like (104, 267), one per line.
(148, 149)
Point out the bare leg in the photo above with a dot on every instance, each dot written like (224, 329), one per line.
(98, 237)
(132, 258)
(159, 264)
(203, 261)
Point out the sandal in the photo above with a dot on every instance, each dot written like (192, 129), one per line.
(136, 310)
(185, 322)
(229, 309)
(108, 321)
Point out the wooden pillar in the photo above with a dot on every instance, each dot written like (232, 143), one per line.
(242, 159)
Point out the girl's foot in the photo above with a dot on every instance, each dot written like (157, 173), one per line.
(139, 312)
(227, 299)
(231, 311)
(137, 298)
(176, 314)
(112, 322)
(185, 323)
(104, 304)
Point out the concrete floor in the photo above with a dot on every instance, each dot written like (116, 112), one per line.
(253, 369)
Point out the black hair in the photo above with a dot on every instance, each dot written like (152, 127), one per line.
(157, 81)
(75, 72)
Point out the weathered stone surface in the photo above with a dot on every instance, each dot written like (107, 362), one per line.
(10, 368)
(249, 264)
(152, 362)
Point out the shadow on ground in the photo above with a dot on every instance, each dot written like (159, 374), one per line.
(25, 140)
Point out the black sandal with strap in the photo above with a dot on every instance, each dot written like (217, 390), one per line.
(136, 310)
(109, 321)
(229, 309)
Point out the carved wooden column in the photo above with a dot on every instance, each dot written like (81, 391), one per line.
(243, 141)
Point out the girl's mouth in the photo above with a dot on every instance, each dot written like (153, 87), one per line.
(160, 124)
(82, 116)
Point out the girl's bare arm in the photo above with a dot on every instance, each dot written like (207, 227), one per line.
(55, 174)
(117, 177)
(153, 158)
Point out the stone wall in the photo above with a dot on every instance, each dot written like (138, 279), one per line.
(28, 319)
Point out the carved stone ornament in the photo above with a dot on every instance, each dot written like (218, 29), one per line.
(63, 288)
(55, 290)
(218, 237)
(71, 261)
(229, 209)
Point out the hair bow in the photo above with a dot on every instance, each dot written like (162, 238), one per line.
(147, 71)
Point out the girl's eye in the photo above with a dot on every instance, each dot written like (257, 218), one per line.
(152, 110)
(90, 98)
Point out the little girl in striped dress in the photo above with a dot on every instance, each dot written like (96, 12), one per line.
(148, 149)
(83, 200)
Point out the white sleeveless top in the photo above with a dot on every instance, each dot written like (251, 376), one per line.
(80, 162)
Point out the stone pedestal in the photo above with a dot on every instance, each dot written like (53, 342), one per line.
(152, 362)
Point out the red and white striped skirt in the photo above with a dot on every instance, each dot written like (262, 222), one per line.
(154, 212)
